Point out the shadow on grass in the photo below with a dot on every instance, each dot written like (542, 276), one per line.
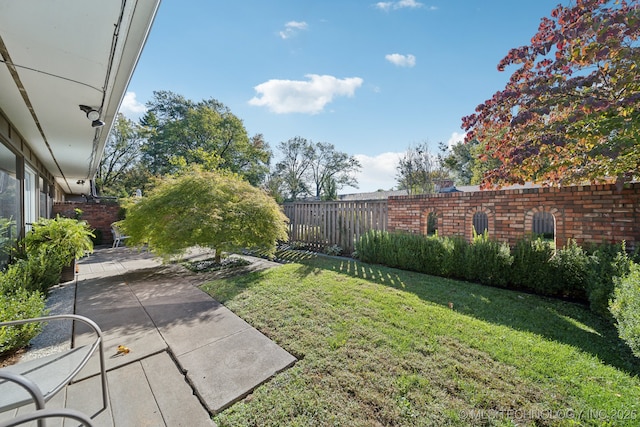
(561, 321)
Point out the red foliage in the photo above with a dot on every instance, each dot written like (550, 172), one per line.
(570, 110)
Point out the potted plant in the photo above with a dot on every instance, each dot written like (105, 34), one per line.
(61, 241)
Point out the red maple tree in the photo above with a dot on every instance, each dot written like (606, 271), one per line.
(569, 112)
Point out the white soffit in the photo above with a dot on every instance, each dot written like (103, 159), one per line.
(62, 54)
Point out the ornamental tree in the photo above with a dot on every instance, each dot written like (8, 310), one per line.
(211, 209)
(569, 112)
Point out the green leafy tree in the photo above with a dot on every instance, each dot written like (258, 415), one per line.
(570, 111)
(212, 209)
(274, 187)
(121, 155)
(419, 170)
(307, 168)
(332, 170)
(330, 190)
(466, 161)
(178, 128)
(294, 167)
(136, 178)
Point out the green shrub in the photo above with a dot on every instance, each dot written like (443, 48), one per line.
(531, 268)
(608, 262)
(35, 274)
(625, 307)
(371, 247)
(434, 253)
(457, 247)
(487, 261)
(533, 264)
(333, 250)
(571, 266)
(407, 248)
(429, 255)
(17, 305)
(61, 239)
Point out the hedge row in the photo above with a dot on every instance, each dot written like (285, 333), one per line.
(583, 274)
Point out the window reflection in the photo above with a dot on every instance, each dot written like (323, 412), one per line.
(9, 204)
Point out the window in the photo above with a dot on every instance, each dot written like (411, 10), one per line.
(45, 199)
(480, 222)
(9, 204)
(30, 203)
(544, 225)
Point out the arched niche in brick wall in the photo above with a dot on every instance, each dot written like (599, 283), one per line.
(543, 222)
(430, 221)
(479, 217)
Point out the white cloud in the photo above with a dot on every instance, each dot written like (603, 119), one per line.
(292, 28)
(130, 106)
(296, 96)
(455, 138)
(401, 60)
(377, 172)
(401, 4)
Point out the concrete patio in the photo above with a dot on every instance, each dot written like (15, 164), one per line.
(190, 357)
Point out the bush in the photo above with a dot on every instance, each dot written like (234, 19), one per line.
(531, 268)
(60, 239)
(608, 262)
(20, 304)
(371, 246)
(434, 254)
(569, 272)
(571, 266)
(487, 261)
(333, 250)
(35, 274)
(625, 307)
(412, 252)
(457, 248)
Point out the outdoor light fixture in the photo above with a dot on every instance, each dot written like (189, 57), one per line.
(93, 115)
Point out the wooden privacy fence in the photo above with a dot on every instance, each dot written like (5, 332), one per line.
(339, 223)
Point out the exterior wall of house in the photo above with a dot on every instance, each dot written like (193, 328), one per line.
(22, 200)
(98, 215)
(11, 138)
(587, 214)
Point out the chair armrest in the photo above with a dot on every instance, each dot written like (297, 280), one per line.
(41, 414)
(27, 384)
(98, 344)
(83, 319)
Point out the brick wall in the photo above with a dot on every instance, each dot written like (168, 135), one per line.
(593, 213)
(98, 215)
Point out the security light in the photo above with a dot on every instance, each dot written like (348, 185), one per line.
(93, 115)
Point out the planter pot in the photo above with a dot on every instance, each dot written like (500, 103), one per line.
(68, 272)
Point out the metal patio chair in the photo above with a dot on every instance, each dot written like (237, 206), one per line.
(37, 381)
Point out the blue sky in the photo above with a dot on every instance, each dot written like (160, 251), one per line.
(372, 78)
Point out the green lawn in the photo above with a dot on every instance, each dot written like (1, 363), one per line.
(385, 347)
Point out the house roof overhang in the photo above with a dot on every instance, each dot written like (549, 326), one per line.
(56, 56)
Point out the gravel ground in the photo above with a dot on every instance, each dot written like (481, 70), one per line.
(56, 335)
